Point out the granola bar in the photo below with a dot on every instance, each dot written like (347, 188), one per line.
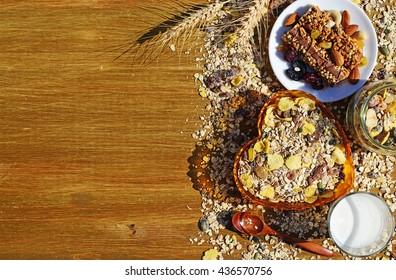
(315, 50)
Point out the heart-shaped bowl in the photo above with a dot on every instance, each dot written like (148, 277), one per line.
(301, 157)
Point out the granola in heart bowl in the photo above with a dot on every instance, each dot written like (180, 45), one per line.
(301, 157)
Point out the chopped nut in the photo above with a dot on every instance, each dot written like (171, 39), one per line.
(371, 118)
(336, 16)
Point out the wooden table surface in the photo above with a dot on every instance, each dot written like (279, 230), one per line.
(90, 145)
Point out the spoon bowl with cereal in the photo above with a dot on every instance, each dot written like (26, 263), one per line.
(253, 224)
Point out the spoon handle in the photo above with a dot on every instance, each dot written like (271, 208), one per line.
(307, 245)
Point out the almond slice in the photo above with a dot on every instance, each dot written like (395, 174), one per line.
(292, 19)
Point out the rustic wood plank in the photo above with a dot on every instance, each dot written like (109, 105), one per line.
(90, 145)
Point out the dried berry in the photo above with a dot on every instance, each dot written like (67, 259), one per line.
(290, 54)
(300, 67)
(314, 80)
(297, 71)
(318, 84)
(292, 74)
(203, 224)
(315, 34)
(310, 77)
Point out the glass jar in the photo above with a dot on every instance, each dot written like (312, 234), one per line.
(371, 117)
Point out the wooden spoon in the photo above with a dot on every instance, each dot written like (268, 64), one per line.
(252, 224)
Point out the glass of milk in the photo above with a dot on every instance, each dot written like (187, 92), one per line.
(361, 224)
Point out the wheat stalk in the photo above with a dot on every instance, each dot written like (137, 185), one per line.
(176, 30)
(257, 13)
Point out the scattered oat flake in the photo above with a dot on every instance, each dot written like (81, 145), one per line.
(172, 47)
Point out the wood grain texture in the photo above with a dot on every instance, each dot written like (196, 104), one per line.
(89, 144)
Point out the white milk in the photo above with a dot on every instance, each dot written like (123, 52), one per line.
(361, 224)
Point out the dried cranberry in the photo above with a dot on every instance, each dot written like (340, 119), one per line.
(314, 79)
(290, 54)
(310, 77)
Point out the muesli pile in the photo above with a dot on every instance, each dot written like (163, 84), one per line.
(299, 155)
(237, 81)
(380, 117)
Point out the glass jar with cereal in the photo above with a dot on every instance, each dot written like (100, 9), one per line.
(371, 117)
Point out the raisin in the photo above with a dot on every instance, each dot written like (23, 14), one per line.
(310, 77)
(299, 67)
(297, 71)
(292, 74)
(318, 84)
(290, 54)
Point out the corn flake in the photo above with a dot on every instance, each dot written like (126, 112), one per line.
(297, 189)
(210, 254)
(306, 160)
(247, 180)
(268, 192)
(308, 128)
(285, 104)
(275, 161)
(310, 191)
(293, 162)
(338, 156)
(311, 199)
(236, 81)
(269, 118)
(392, 108)
(305, 103)
(262, 146)
(259, 146)
(251, 154)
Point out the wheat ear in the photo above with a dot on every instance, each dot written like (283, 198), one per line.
(177, 30)
(257, 14)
